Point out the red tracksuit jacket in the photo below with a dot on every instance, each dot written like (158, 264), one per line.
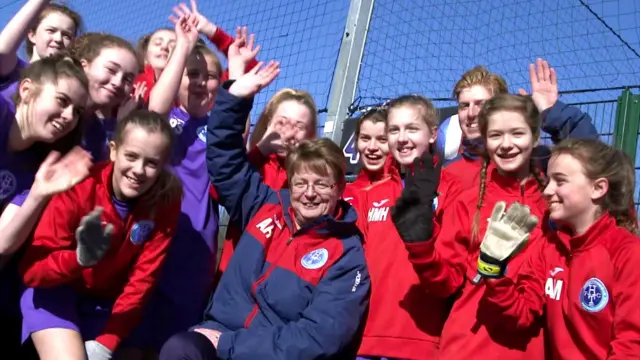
(274, 175)
(128, 271)
(447, 265)
(366, 180)
(404, 320)
(587, 286)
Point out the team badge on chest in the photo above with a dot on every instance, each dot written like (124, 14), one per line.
(315, 259)
(141, 231)
(202, 133)
(594, 296)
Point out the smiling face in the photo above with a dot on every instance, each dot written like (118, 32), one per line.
(54, 109)
(199, 84)
(313, 195)
(373, 145)
(111, 76)
(510, 142)
(571, 194)
(470, 102)
(408, 133)
(138, 161)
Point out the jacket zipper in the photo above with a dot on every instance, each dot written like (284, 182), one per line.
(254, 287)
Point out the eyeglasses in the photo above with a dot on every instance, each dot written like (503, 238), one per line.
(319, 187)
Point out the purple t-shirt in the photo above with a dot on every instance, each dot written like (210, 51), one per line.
(96, 137)
(17, 172)
(9, 82)
(123, 207)
(191, 257)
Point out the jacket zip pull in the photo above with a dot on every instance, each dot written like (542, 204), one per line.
(290, 239)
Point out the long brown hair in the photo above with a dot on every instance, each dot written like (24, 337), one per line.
(281, 96)
(600, 160)
(168, 188)
(50, 70)
(506, 102)
(89, 46)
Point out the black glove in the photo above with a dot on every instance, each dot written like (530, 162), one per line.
(413, 213)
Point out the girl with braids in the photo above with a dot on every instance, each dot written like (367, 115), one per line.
(154, 49)
(404, 321)
(558, 120)
(582, 282)
(110, 65)
(46, 28)
(447, 263)
(98, 248)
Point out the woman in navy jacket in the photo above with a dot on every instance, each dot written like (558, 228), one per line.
(297, 286)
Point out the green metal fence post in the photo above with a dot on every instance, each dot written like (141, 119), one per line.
(627, 123)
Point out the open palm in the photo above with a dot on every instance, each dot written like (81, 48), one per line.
(57, 174)
(255, 80)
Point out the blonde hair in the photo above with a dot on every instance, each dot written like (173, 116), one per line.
(281, 96)
(506, 102)
(168, 188)
(600, 160)
(479, 75)
(321, 156)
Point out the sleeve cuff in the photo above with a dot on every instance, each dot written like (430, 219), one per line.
(221, 40)
(110, 341)
(224, 345)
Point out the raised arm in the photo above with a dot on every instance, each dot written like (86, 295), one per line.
(15, 32)
(163, 94)
(238, 186)
(559, 120)
(55, 175)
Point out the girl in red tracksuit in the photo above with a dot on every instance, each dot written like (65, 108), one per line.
(510, 127)
(154, 49)
(584, 278)
(373, 150)
(404, 321)
(289, 117)
(98, 247)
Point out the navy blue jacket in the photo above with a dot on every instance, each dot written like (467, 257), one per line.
(286, 293)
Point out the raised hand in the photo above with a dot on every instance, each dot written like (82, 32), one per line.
(186, 31)
(204, 25)
(278, 137)
(56, 174)
(133, 101)
(93, 240)
(413, 213)
(507, 234)
(544, 85)
(255, 80)
(242, 49)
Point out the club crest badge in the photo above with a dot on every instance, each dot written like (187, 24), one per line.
(594, 296)
(141, 231)
(8, 184)
(202, 133)
(315, 259)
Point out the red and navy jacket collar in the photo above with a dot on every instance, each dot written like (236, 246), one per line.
(510, 184)
(367, 178)
(591, 237)
(340, 224)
